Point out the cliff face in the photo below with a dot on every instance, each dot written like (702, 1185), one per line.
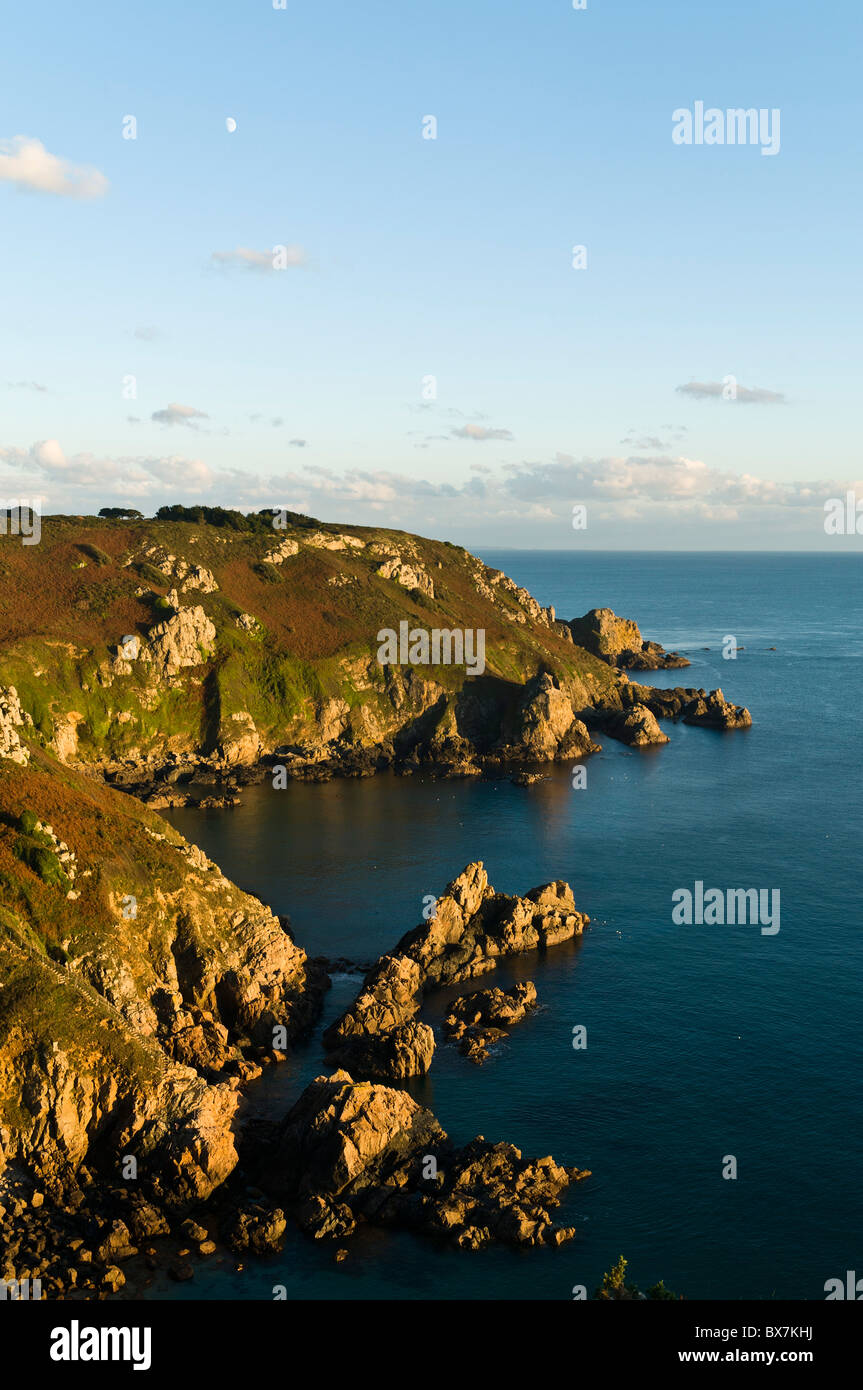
(137, 985)
(131, 643)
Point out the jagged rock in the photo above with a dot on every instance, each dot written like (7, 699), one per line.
(282, 552)
(11, 720)
(476, 1021)
(117, 1245)
(545, 725)
(146, 1222)
(607, 636)
(472, 928)
(321, 1217)
(256, 1228)
(334, 540)
(182, 639)
(652, 657)
(409, 576)
(394, 1054)
(715, 712)
(711, 711)
(618, 641)
(374, 1151)
(637, 727)
(179, 571)
(240, 742)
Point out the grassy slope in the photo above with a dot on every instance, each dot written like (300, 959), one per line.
(66, 601)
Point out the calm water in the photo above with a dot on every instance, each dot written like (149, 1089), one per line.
(702, 1041)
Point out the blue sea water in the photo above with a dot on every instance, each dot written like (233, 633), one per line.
(704, 1042)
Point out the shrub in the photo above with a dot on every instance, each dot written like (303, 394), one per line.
(44, 864)
(149, 573)
(94, 553)
(27, 822)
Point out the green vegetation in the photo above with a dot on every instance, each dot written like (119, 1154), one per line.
(94, 553)
(313, 639)
(232, 520)
(614, 1287)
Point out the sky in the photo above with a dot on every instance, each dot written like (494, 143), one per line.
(425, 349)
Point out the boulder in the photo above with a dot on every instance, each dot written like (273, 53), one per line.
(476, 1021)
(713, 711)
(350, 1151)
(636, 727)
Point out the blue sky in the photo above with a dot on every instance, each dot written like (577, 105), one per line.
(447, 258)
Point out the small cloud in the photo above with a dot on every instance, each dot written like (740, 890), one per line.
(175, 414)
(147, 334)
(26, 163)
(26, 386)
(277, 422)
(647, 441)
(278, 258)
(731, 391)
(479, 433)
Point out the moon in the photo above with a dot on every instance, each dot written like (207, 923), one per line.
(231, 124)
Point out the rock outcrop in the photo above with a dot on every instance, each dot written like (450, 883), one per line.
(635, 726)
(12, 719)
(477, 1021)
(184, 639)
(545, 727)
(408, 574)
(353, 1151)
(711, 710)
(619, 642)
(473, 927)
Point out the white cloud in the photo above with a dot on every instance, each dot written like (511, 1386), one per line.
(479, 433)
(278, 257)
(732, 392)
(26, 163)
(176, 414)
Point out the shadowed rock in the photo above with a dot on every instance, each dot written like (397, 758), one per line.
(353, 1151)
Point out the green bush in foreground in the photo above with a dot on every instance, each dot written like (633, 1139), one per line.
(614, 1287)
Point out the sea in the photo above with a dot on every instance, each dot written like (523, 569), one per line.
(717, 1097)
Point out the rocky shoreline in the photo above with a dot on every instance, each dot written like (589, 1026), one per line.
(350, 1151)
(547, 729)
(141, 991)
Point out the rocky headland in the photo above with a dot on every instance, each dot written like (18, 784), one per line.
(173, 662)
